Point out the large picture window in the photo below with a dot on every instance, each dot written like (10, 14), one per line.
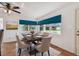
(47, 28)
(41, 28)
(32, 27)
(51, 28)
(27, 27)
(51, 25)
(23, 27)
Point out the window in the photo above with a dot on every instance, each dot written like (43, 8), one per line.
(56, 28)
(23, 27)
(47, 28)
(27, 27)
(32, 27)
(41, 28)
(51, 28)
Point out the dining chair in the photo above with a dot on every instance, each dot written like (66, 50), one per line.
(1, 37)
(21, 45)
(44, 46)
(45, 34)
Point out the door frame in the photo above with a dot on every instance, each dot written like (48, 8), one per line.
(75, 30)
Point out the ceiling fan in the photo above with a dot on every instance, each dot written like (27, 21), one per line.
(8, 7)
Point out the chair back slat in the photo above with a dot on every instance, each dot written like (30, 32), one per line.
(45, 43)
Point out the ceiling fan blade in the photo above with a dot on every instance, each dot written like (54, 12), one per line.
(6, 5)
(1, 7)
(2, 3)
(16, 11)
(16, 7)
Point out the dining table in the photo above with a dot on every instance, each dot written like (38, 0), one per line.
(32, 42)
(33, 39)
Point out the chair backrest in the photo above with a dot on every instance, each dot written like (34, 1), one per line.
(45, 34)
(28, 37)
(1, 37)
(21, 44)
(18, 41)
(45, 44)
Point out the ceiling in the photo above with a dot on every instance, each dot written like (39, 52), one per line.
(38, 9)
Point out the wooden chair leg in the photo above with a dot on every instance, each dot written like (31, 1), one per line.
(42, 53)
(19, 50)
(48, 53)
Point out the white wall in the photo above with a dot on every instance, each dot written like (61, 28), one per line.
(9, 35)
(67, 38)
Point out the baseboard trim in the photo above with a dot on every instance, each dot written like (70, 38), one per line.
(63, 51)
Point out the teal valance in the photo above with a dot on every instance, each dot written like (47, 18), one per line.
(55, 19)
(51, 20)
(27, 22)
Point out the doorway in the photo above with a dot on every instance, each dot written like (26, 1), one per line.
(77, 31)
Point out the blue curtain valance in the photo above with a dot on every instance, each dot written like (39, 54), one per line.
(55, 19)
(27, 22)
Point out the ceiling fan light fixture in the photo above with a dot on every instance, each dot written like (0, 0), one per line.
(7, 11)
(8, 8)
